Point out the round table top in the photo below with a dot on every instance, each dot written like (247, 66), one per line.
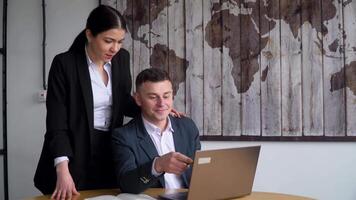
(154, 192)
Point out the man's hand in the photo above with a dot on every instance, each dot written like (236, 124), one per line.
(65, 187)
(173, 162)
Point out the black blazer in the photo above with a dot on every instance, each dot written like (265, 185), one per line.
(134, 151)
(70, 118)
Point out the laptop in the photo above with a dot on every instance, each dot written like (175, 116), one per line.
(220, 174)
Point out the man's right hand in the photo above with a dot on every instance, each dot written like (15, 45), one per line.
(65, 187)
(173, 162)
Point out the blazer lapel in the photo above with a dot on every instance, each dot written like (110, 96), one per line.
(147, 145)
(115, 81)
(85, 83)
(179, 145)
(145, 140)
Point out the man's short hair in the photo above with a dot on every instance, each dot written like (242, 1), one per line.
(151, 75)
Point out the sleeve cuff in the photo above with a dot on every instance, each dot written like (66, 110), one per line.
(60, 159)
(154, 172)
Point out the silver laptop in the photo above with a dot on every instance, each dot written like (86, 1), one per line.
(221, 174)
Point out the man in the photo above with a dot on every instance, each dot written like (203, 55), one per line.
(154, 149)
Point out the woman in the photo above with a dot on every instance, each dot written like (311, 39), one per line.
(88, 94)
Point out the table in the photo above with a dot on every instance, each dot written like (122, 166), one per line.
(154, 192)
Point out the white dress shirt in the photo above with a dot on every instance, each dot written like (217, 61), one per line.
(102, 96)
(164, 144)
(102, 99)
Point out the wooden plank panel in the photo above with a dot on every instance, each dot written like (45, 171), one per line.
(312, 81)
(194, 54)
(176, 41)
(350, 65)
(137, 38)
(270, 70)
(231, 99)
(159, 34)
(334, 95)
(140, 34)
(300, 87)
(250, 71)
(212, 71)
(291, 68)
(121, 6)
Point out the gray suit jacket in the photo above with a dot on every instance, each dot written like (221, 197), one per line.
(134, 151)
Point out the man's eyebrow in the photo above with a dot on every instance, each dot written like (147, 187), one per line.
(152, 93)
(168, 92)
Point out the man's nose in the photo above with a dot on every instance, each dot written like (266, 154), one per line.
(159, 100)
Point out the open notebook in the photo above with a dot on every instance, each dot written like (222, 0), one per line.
(122, 196)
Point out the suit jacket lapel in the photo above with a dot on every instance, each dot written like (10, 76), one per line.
(145, 140)
(85, 83)
(147, 145)
(115, 81)
(179, 144)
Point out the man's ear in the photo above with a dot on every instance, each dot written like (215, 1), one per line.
(137, 98)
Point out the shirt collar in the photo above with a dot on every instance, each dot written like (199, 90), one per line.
(151, 128)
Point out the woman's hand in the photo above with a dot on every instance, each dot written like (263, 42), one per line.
(65, 187)
(176, 113)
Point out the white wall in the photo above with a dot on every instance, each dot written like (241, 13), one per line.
(26, 116)
(1, 118)
(319, 170)
(322, 170)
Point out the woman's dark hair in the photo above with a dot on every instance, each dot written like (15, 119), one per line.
(101, 19)
(151, 75)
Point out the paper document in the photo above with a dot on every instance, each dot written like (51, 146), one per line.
(123, 196)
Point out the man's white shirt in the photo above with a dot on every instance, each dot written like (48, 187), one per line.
(164, 144)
